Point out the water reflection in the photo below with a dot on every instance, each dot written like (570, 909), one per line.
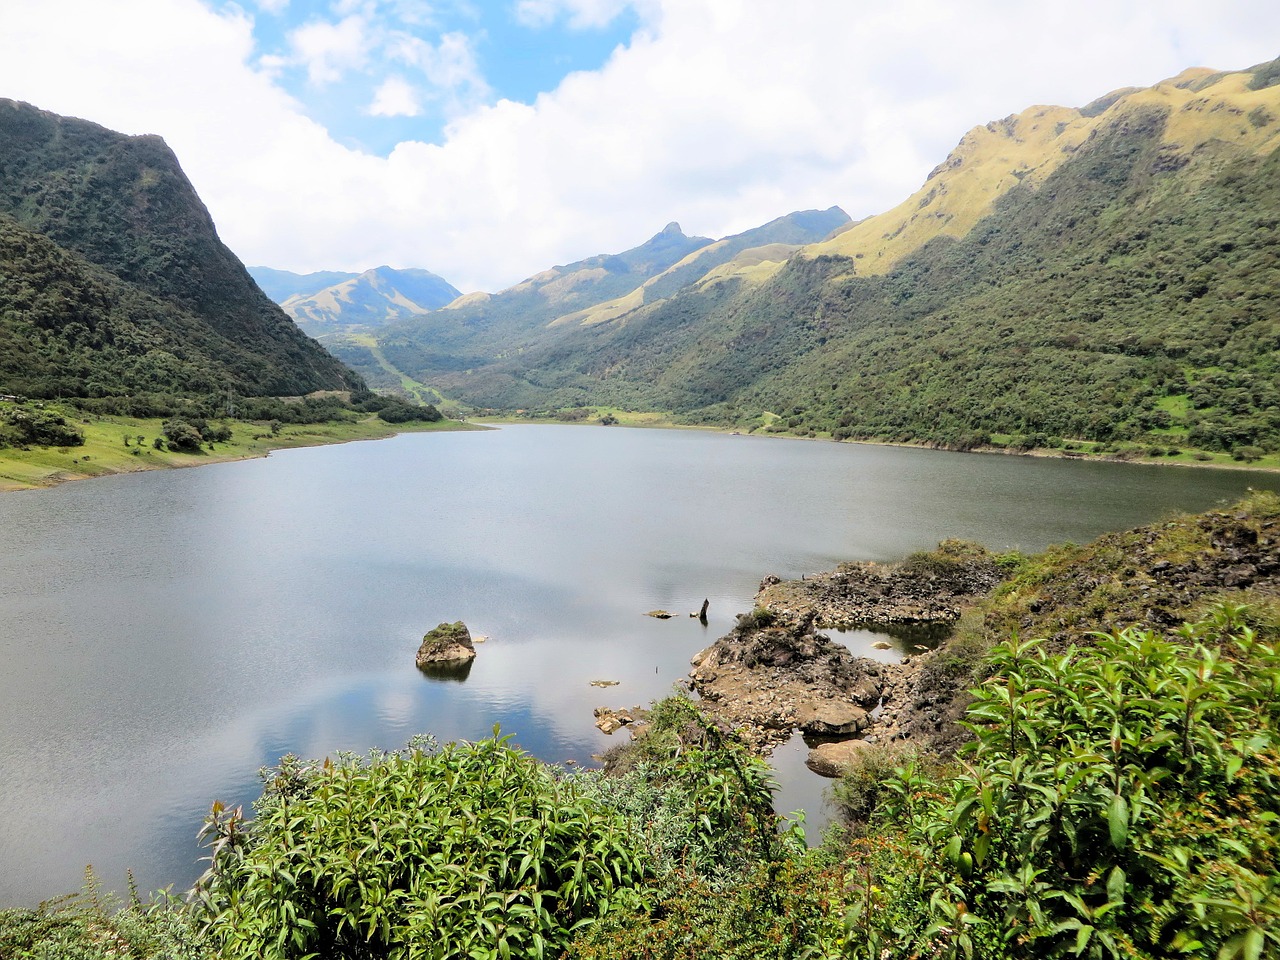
(890, 643)
(455, 671)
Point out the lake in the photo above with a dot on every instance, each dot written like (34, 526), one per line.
(163, 635)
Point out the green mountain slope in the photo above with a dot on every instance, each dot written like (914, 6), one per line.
(371, 299)
(479, 328)
(1115, 281)
(117, 223)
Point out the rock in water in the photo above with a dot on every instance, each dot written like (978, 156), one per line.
(833, 759)
(447, 643)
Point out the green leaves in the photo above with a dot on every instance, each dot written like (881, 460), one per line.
(1119, 800)
(1118, 821)
(475, 847)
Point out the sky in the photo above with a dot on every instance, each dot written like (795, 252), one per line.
(486, 140)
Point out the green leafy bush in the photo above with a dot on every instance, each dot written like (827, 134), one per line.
(1120, 800)
(694, 797)
(470, 850)
(729, 878)
(23, 425)
(779, 910)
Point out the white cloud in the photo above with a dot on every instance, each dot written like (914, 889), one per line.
(581, 14)
(395, 98)
(719, 114)
(330, 50)
(449, 66)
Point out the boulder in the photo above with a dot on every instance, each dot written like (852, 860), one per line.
(831, 718)
(447, 643)
(609, 721)
(833, 759)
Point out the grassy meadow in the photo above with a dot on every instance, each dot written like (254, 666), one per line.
(117, 444)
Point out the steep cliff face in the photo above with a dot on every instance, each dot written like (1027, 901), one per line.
(123, 205)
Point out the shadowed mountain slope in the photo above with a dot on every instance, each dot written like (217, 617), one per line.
(76, 195)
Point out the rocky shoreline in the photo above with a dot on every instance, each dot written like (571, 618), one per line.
(775, 673)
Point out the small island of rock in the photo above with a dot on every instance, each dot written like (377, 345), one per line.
(449, 643)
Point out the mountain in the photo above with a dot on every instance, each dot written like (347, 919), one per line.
(476, 329)
(1101, 274)
(280, 285)
(113, 279)
(774, 242)
(370, 299)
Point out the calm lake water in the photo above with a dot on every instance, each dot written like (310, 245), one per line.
(163, 635)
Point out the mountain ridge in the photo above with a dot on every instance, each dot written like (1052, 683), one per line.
(1111, 292)
(477, 327)
(370, 299)
(280, 285)
(123, 205)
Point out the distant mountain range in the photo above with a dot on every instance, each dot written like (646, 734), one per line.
(331, 301)
(113, 280)
(474, 330)
(1106, 273)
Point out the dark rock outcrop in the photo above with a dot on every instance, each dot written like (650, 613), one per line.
(925, 588)
(775, 672)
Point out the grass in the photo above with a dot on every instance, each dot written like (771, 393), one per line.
(413, 388)
(104, 451)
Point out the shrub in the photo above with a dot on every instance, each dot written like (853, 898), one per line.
(20, 426)
(397, 411)
(474, 849)
(93, 926)
(695, 798)
(757, 619)
(181, 435)
(1119, 801)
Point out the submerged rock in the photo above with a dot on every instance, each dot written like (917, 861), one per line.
(449, 643)
(833, 759)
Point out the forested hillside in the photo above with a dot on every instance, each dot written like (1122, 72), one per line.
(1101, 274)
(113, 279)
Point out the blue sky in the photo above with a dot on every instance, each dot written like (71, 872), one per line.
(378, 74)
(487, 140)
